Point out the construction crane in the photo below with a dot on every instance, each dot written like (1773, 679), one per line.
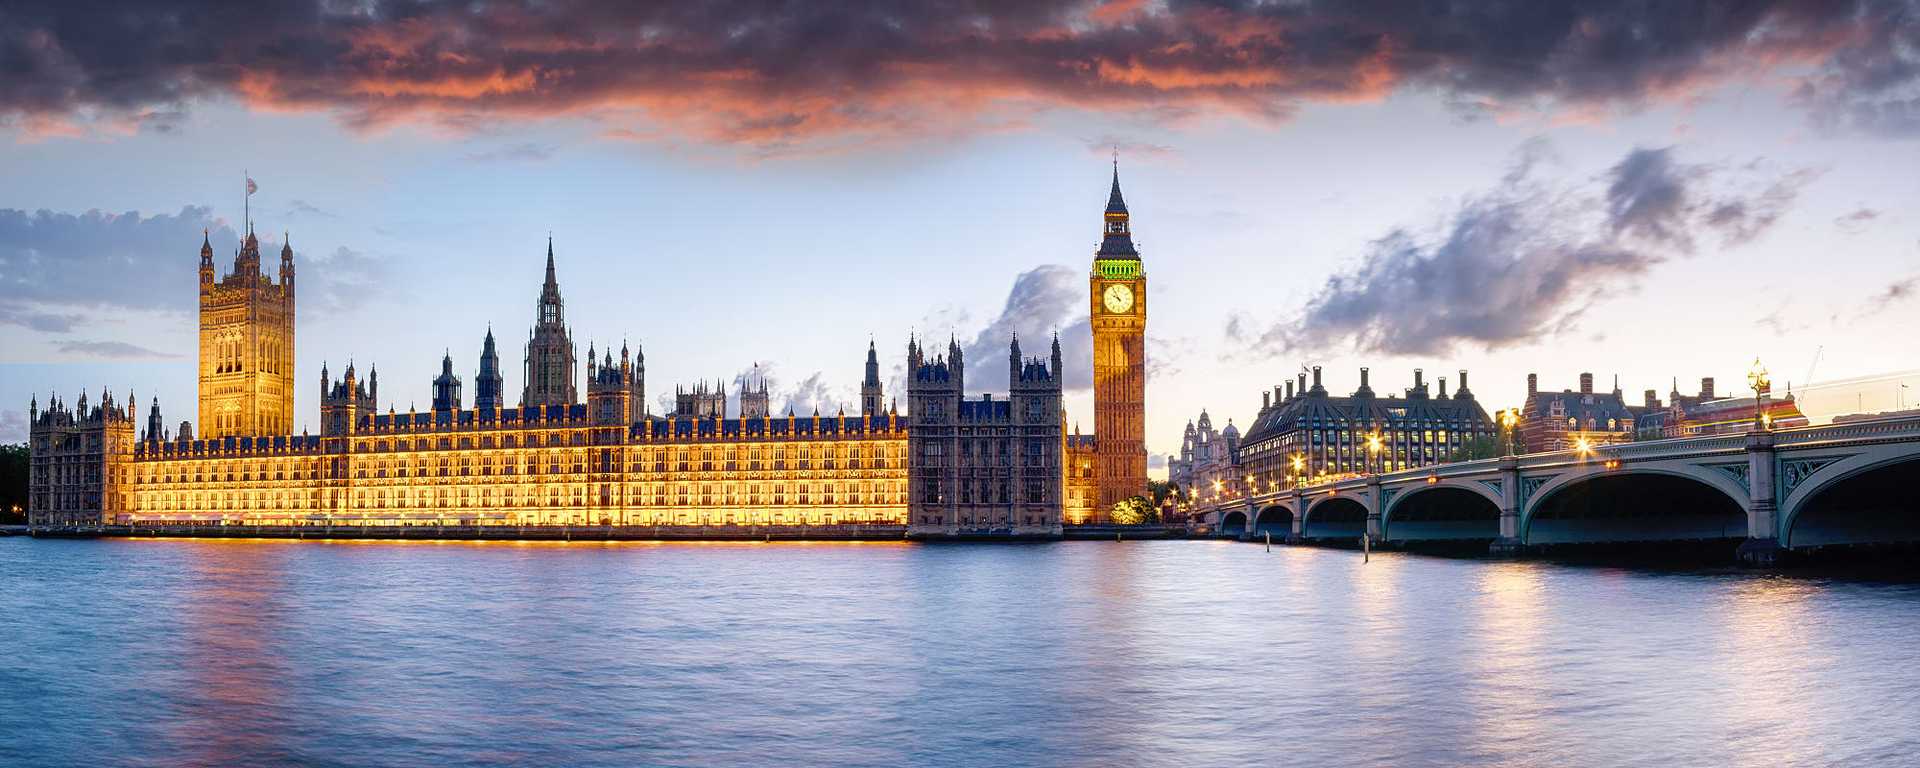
(1811, 367)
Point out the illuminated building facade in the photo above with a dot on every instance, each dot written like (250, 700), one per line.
(1082, 493)
(985, 467)
(1712, 413)
(552, 460)
(246, 344)
(1307, 435)
(1117, 289)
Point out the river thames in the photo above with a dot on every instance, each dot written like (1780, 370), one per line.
(171, 652)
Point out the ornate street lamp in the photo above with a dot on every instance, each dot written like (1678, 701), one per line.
(1509, 418)
(1373, 452)
(1757, 379)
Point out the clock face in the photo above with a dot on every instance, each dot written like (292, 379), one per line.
(1117, 298)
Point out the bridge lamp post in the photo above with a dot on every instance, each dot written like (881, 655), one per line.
(1508, 419)
(1373, 452)
(1757, 379)
(1299, 469)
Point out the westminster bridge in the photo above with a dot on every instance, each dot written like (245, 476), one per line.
(1787, 489)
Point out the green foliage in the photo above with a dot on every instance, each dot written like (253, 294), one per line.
(13, 483)
(1136, 510)
(1160, 490)
(1478, 448)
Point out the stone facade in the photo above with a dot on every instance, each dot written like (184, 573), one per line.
(246, 344)
(985, 467)
(1117, 288)
(1309, 436)
(79, 470)
(1207, 462)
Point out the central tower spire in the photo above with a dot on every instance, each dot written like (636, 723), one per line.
(550, 354)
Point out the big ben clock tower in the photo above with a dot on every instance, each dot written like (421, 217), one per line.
(1118, 287)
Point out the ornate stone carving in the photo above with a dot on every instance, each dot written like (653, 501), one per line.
(1736, 470)
(1530, 484)
(1796, 471)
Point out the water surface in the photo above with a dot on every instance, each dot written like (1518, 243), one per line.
(171, 652)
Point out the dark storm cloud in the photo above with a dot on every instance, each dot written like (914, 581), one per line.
(757, 71)
(1045, 300)
(1524, 260)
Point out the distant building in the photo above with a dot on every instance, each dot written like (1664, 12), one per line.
(1714, 413)
(1309, 435)
(984, 467)
(1207, 457)
(1558, 421)
(78, 472)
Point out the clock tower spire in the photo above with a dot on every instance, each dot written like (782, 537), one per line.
(1118, 289)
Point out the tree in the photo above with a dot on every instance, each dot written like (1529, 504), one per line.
(1136, 510)
(13, 483)
(1483, 447)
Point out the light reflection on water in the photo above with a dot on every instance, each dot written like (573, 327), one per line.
(1073, 654)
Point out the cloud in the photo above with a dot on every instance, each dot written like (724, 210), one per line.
(1522, 261)
(1857, 221)
(59, 270)
(1130, 147)
(526, 152)
(35, 320)
(98, 259)
(344, 280)
(13, 426)
(1897, 292)
(299, 208)
(814, 391)
(110, 350)
(771, 74)
(1044, 300)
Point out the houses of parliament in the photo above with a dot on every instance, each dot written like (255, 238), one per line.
(977, 467)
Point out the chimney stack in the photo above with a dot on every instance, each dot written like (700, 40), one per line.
(1266, 400)
(1652, 399)
(1289, 389)
(1443, 387)
(1316, 378)
(1706, 388)
(1303, 384)
(1533, 383)
(1586, 383)
(1419, 381)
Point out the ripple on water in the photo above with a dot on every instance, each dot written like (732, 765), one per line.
(131, 652)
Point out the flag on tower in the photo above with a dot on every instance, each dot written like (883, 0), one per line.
(252, 187)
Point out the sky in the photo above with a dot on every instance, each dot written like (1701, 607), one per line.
(1658, 192)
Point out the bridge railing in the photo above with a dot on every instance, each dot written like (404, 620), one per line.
(1884, 428)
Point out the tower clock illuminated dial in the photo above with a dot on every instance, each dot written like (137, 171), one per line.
(1117, 298)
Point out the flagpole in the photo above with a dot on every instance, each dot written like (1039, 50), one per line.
(246, 203)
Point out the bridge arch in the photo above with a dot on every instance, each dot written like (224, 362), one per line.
(1233, 522)
(1276, 519)
(1652, 503)
(1334, 517)
(1442, 511)
(1861, 498)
